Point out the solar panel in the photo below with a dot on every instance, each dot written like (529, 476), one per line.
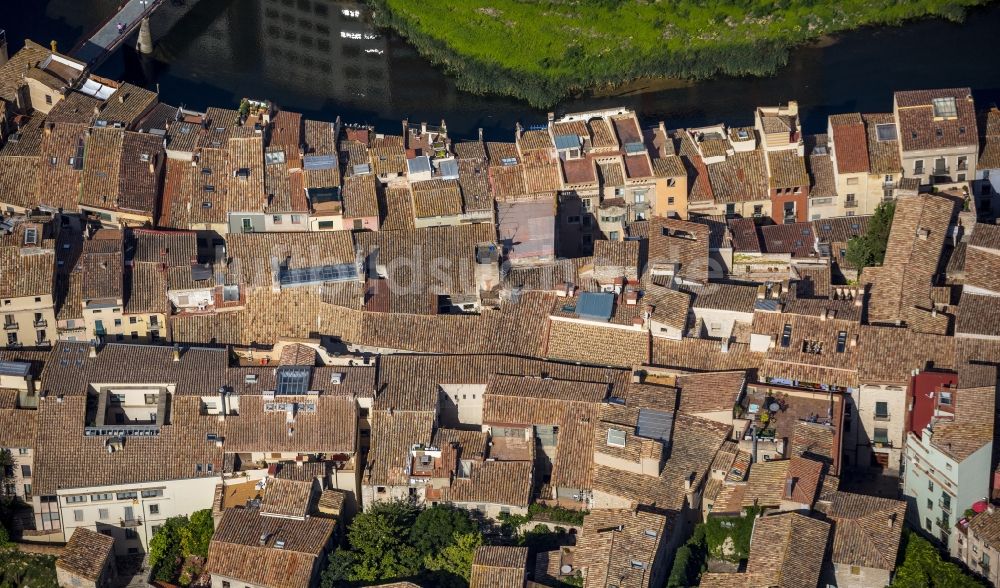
(315, 162)
(292, 381)
(635, 147)
(655, 424)
(14, 368)
(312, 275)
(595, 306)
(567, 142)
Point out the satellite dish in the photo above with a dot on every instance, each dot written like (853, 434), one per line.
(774, 407)
(566, 570)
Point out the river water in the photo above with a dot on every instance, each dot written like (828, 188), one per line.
(323, 58)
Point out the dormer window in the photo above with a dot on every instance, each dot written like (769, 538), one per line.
(616, 438)
(786, 336)
(30, 236)
(945, 107)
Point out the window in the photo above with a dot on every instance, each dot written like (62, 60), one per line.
(24, 450)
(944, 398)
(786, 335)
(640, 197)
(758, 209)
(841, 341)
(945, 107)
(276, 219)
(27, 490)
(152, 493)
(324, 225)
(573, 220)
(930, 504)
(930, 485)
(881, 436)
(296, 219)
(616, 438)
(154, 509)
(131, 534)
(78, 515)
(102, 514)
(127, 495)
(613, 235)
(25, 471)
(118, 322)
(918, 167)
(586, 203)
(670, 200)
(927, 523)
(101, 497)
(48, 99)
(75, 499)
(882, 410)
(133, 320)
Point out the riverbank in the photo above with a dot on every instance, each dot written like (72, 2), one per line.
(544, 51)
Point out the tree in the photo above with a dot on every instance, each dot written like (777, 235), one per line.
(923, 566)
(378, 539)
(453, 563)
(339, 569)
(165, 554)
(437, 526)
(4, 536)
(197, 534)
(6, 472)
(869, 249)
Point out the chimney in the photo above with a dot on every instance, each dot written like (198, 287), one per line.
(121, 98)
(177, 352)
(423, 128)
(54, 45)
(518, 130)
(480, 134)
(892, 520)
(789, 486)
(725, 345)
(93, 349)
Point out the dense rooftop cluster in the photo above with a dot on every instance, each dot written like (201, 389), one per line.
(287, 321)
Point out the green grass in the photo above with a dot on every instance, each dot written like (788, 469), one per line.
(542, 50)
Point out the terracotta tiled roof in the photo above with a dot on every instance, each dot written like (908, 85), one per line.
(989, 157)
(120, 171)
(507, 181)
(572, 406)
(918, 127)
(601, 135)
(19, 178)
(704, 355)
(733, 297)
(287, 498)
(360, 196)
(17, 426)
(742, 177)
(614, 541)
(256, 256)
(86, 554)
(669, 167)
(978, 315)
(982, 268)
(387, 155)
(883, 154)
(986, 526)
(542, 177)
(710, 392)
(794, 238)
(235, 551)
(59, 167)
(850, 143)
(320, 140)
(972, 426)
(788, 549)
(495, 482)
(474, 181)
(611, 174)
(126, 105)
(330, 429)
(682, 243)
(146, 288)
(596, 344)
(537, 139)
(820, 167)
(499, 566)
(399, 209)
(436, 198)
(919, 230)
(393, 433)
(12, 72)
(866, 530)
(667, 305)
(788, 169)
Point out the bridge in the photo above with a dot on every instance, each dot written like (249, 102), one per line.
(106, 39)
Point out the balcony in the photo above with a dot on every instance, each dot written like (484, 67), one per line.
(851, 204)
(943, 524)
(40, 323)
(882, 444)
(10, 326)
(129, 523)
(944, 504)
(962, 166)
(882, 417)
(940, 171)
